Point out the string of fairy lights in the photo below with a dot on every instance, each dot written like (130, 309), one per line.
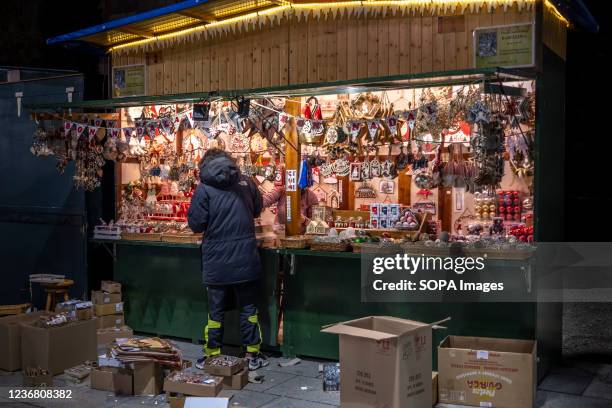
(320, 10)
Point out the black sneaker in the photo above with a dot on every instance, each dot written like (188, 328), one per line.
(200, 363)
(257, 361)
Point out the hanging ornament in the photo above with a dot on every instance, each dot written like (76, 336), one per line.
(479, 113)
(151, 128)
(342, 167)
(97, 122)
(354, 129)
(166, 124)
(127, 132)
(91, 132)
(111, 123)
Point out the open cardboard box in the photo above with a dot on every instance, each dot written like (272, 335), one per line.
(58, 348)
(10, 339)
(487, 372)
(117, 380)
(385, 361)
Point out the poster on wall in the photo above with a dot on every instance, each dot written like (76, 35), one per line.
(504, 46)
(129, 80)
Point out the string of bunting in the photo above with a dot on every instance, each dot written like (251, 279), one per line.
(143, 126)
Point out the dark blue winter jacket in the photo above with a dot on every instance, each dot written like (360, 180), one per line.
(223, 207)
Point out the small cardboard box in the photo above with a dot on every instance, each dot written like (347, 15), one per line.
(106, 336)
(39, 380)
(112, 320)
(175, 400)
(78, 309)
(211, 389)
(10, 339)
(99, 297)
(110, 286)
(148, 378)
(108, 309)
(58, 348)
(385, 361)
(237, 381)
(117, 380)
(222, 371)
(105, 360)
(487, 372)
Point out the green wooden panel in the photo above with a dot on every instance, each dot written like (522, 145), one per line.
(164, 294)
(323, 290)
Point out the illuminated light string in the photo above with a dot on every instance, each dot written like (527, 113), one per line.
(303, 10)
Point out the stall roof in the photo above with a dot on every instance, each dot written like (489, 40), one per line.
(446, 78)
(192, 13)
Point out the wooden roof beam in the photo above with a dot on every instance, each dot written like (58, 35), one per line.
(198, 15)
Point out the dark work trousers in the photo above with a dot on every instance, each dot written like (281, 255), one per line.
(246, 295)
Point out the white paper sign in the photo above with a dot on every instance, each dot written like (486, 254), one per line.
(288, 208)
(291, 180)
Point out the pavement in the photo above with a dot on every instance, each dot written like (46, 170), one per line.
(575, 384)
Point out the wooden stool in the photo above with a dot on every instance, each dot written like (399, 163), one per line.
(54, 290)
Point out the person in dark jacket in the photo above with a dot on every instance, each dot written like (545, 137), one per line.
(223, 207)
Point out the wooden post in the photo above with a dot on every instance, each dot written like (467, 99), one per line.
(347, 202)
(292, 163)
(445, 208)
(404, 185)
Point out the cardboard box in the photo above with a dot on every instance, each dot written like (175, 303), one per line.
(223, 371)
(110, 286)
(99, 297)
(77, 309)
(112, 320)
(385, 362)
(175, 400)
(10, 339)
(117, 380)
(487, 372)
(42, 380)
(148, 378)
(434, 387)
(211, 389)
(237, 381)
(106, 336)
(58, 348)
(108, 309)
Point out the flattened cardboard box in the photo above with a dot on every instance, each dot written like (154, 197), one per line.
(117, 380)
(58, 348)
(237, 381)
(197, 390)
(99, 297)
(106, 336)
(112, 320)
(110, 286)
(487, 372)
(108, 309)
(385, 362)
(10, 339)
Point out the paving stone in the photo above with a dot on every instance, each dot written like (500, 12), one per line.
(583, 368)
(599, 389)
(313, 390)
(306, 368)
(271, 379)
(296, 403)
(547, 399)
(567, 384)
(249, 399)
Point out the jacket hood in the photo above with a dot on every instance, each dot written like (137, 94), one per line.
(220, 172)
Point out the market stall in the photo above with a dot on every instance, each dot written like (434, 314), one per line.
(398, 116)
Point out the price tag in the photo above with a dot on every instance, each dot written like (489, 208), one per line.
(288, 208)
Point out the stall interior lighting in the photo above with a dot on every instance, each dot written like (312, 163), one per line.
(422, 4)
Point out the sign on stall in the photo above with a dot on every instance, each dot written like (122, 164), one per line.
(504, 46)
(129, 80)
(291, 183)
